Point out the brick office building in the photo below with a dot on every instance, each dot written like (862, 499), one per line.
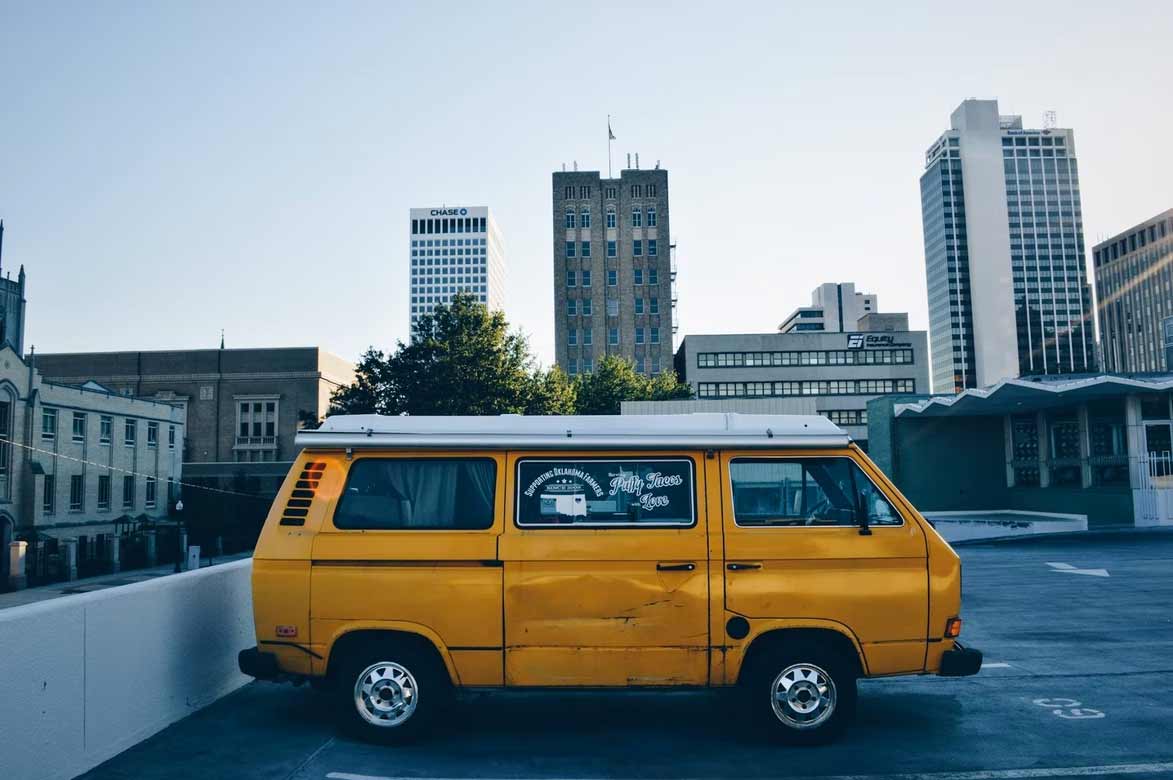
(613, 274)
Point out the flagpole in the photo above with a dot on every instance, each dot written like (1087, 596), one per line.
(609, 137)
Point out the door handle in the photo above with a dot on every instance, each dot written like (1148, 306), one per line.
(742, 566)
(675, 566)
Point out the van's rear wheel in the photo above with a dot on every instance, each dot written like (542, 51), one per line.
(804, 693)
(390, 691)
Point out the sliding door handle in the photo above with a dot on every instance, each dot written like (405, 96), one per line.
(675, 566)
(742, 566)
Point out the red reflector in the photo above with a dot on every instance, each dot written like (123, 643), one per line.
(953, 628)
(287, 631)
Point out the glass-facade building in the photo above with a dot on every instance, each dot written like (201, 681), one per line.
(1004, 252)
(1134, 290)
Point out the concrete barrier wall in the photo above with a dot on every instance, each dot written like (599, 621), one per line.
(84, 677)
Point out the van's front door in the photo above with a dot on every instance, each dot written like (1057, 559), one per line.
(794, 551)
(606, 570)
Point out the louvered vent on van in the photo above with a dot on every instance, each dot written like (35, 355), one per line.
(302, 496)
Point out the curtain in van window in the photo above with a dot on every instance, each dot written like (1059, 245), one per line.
(406, 494)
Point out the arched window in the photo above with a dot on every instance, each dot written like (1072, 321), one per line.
(584, 218)
(637, 217)
(569, 218)
(611, 216)
(7, 406)
(651, 216)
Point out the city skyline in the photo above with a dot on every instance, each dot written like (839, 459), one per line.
(247, 191)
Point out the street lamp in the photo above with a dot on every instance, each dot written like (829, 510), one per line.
(180, 538)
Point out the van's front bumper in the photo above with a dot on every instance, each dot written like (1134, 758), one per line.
(254, 663)
(960, 661)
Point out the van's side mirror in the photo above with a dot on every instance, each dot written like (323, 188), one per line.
(862, 512)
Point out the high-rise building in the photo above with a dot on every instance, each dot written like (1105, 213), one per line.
(1004, 254)
(835, 308)
(613, 271)
(1134, 295)
(455, 249)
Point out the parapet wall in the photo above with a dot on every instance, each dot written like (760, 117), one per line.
(84, 677)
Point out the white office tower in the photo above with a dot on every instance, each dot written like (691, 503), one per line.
(455, 249)
(1004, 255)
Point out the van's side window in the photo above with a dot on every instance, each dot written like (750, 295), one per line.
(806, 491)
(445, 494)
(599, 492)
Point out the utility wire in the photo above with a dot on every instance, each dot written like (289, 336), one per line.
(107, 467)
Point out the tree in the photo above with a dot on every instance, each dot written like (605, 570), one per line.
(462, 359)
(615, 380)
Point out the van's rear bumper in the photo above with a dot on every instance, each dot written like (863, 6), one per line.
(254, 663)
(960, 661)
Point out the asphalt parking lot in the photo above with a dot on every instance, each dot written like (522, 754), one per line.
(1078, 639)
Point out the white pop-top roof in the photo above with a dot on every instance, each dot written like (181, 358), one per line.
(705, 430)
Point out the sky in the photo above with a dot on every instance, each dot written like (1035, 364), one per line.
(169, 170)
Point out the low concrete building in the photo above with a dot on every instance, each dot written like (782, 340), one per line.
(840, 372)
(75, 459)
(1100, 446)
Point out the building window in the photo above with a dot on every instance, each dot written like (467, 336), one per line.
(104, 491)
(638, 276)
(79, 427)
(586, 278)
(610, 193)
(170, 437)
(572, 367)
(612, 307)
(612, 278)
(128, 492)
(130, 433)
(651, 247)
(653, 276)
(639, 335)
(105, 429)
(151, 497)
(588, 365)
(655, 305)
(585, 218)
(572, 337)
(639, 305)
(572, 306)
(637, 248)
(651, 214)
(613, 336)
(77, 493)
(152, 434)
(611, 217)
(584, 192)
(570, 249)
(588, 337)
(612, 248)
(651, 190)
(569, 219)
(586, 307)
(48, 505)
(640, 365)
(48, 424)
(586, 249)
(637, 217)
(655, 335)
(571, 278)
(567, 193)
(257, 422)
(655, 364)
(636, 191)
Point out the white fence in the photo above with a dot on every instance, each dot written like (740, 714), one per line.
(84, 677)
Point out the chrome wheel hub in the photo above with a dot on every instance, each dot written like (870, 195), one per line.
(385, 694)
(803, 696)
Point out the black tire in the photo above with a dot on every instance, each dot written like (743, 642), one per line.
(823, 680)
(414, 680)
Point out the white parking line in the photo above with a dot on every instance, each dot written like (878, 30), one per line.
(981, 774)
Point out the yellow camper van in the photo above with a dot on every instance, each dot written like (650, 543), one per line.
(409, 558)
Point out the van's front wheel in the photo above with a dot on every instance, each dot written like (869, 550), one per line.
(390, 692)
(805, 694)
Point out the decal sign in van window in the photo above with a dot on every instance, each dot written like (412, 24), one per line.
(605, 492)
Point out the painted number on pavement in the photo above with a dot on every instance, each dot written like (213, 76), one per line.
(1068, 709)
